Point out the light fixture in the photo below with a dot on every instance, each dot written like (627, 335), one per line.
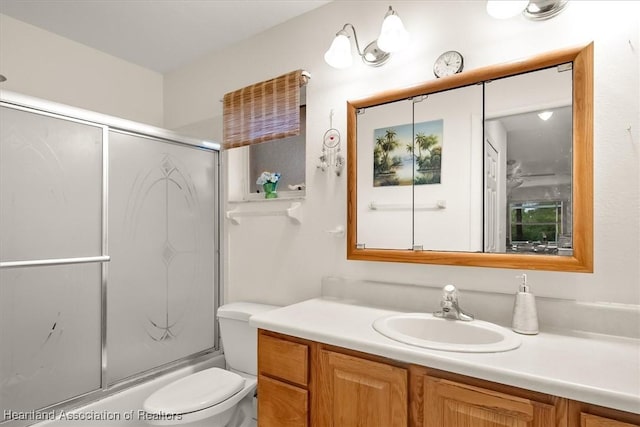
(541, 10)
(545, 115)
(393, 37)
(535, 10)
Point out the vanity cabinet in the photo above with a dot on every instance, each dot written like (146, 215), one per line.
(305, 383)
(283, 382)
(442, 399)
(353, 391)
(587, 415)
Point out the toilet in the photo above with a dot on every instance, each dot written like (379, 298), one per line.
(216, 397)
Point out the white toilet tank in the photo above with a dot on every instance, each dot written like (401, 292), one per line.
(239, 339)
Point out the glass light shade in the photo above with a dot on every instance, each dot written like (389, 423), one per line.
(505, 9)
(339, 54)
(393, 36)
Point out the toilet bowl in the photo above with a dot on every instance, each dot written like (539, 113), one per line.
(215, 397)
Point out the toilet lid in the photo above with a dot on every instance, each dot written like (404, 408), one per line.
(195, 392)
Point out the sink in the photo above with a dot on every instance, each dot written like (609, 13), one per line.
(425, 330)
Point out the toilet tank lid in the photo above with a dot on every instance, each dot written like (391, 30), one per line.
(242, 310)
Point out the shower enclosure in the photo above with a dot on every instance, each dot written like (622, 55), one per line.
(109, 254)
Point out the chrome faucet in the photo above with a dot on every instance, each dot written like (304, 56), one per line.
(450, 307)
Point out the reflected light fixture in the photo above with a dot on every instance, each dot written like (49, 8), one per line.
(535, 10)
(393, 37)
(545, 115)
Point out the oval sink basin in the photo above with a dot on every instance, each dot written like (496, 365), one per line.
(425, 330)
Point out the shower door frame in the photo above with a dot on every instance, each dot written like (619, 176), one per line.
(109, 123)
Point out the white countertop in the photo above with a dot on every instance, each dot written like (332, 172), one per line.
(600, 370)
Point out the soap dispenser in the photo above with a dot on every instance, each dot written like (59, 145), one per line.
(525, 314)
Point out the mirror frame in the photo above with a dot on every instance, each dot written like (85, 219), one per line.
(582, 188)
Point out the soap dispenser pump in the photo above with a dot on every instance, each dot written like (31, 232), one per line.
(525, 314)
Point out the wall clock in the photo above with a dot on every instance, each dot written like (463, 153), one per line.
(449, 63)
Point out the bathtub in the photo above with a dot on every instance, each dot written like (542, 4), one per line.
(124, 408)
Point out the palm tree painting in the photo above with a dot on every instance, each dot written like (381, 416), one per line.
(408, 154)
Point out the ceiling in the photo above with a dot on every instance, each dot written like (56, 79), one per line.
(160, 35)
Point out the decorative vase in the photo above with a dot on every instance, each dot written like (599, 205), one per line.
(270, 190)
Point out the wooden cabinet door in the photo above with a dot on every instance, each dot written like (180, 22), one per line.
(281, 404)
(355, 392)
(452, 404)
(588, 420)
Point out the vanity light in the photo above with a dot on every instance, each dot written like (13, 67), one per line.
(535, 10)
(545, 115)
(393, 37)
(339, 54)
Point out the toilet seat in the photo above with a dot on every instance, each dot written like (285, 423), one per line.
(195, 392)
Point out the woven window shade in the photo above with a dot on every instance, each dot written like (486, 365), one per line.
(264, 111)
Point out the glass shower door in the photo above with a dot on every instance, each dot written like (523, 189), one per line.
(162, 244)
(50, 250)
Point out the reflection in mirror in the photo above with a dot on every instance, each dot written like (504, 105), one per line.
(448, 213)
(528, 160)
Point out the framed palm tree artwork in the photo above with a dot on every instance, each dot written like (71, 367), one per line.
(409, 154)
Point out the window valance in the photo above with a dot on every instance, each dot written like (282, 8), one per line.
(264, 111)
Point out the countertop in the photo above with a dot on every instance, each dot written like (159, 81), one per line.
(596, 369)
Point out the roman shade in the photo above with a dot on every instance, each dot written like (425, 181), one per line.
(264, 111)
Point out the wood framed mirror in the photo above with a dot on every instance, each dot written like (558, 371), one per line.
(503, 244)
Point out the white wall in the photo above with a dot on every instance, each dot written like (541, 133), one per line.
(44, 65)
(268, 259)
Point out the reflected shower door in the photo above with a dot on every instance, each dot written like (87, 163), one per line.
(50, 208)
(160, 300)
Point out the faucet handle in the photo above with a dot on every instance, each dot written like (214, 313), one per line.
(450, 292)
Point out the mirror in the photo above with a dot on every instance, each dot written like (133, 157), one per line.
(463, 171)
(528, 154)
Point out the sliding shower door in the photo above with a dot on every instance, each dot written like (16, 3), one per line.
(162, 246)
(50, 247)
(108, 255)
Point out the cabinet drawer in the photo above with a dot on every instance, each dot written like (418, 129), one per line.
(281, 405)
(283, 359)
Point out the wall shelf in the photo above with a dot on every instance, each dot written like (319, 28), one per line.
(293, 212)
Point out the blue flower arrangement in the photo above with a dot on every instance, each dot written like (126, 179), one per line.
(267, 177)
(269, 181)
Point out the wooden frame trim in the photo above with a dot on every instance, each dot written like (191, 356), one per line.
(582, 188)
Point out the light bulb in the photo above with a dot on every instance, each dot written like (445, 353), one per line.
(339, 54)
(545, 115)
(393, 35)
(505, 9)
